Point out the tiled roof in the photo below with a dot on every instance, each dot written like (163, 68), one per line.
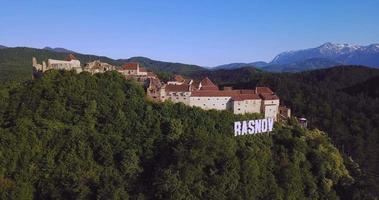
(130, 66)
(71, 57)
(142, 69)
(263, 90)
(242, 97)
(269, 96)
(235, 94)
(178, 78)
(245, 91)
(207, 84)
(178, 88)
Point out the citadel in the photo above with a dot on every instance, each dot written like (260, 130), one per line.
(196, 93)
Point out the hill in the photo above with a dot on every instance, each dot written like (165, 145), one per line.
(368, 88)
(333, 100)
(258, 64)
(16, 63)
(59, 50)
(77, 136)
(303, 65)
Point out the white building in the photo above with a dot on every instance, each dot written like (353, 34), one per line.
(71, 63)
(246, 103)
(133, 69)
(207, 100)
(206, 95)
(176, 93)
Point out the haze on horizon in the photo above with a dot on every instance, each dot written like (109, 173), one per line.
(206, 33)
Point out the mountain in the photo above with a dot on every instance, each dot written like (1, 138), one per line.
(59, 50)
(302, 65)
(16, 63)
(341, 53)
(3, 47)
(324, 56)
(258, 64)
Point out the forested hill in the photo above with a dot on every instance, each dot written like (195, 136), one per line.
(369, 88)
(77, 136)
(16, 63)
(342, 101)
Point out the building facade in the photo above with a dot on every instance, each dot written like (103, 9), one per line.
(71, 63)
(207, 95)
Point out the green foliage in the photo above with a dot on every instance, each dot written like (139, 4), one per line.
(77, 136)
(341, 101)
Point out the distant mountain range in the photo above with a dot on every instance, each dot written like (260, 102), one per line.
(59, 50)
(326, 55)
(15, 62)
(258, 64)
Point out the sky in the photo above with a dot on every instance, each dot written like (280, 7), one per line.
(202, 32)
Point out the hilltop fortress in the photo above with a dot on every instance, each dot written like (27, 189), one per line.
(203, 94)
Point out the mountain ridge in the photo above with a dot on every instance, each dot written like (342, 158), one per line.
(311, 58)
(16, 62)
(58, 50)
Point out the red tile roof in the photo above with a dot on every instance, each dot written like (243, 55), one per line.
(178, 88)
(207, 84)
(178, 78)
(142, 69)
(245, 91)
(235, 94)
(269, 96)
(263, 90)
(242, 97)
(71, 57)
(130, 66)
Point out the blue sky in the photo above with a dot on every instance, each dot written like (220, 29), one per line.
(203, 32)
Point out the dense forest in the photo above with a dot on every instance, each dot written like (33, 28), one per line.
(77, 136)
(342, 101)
